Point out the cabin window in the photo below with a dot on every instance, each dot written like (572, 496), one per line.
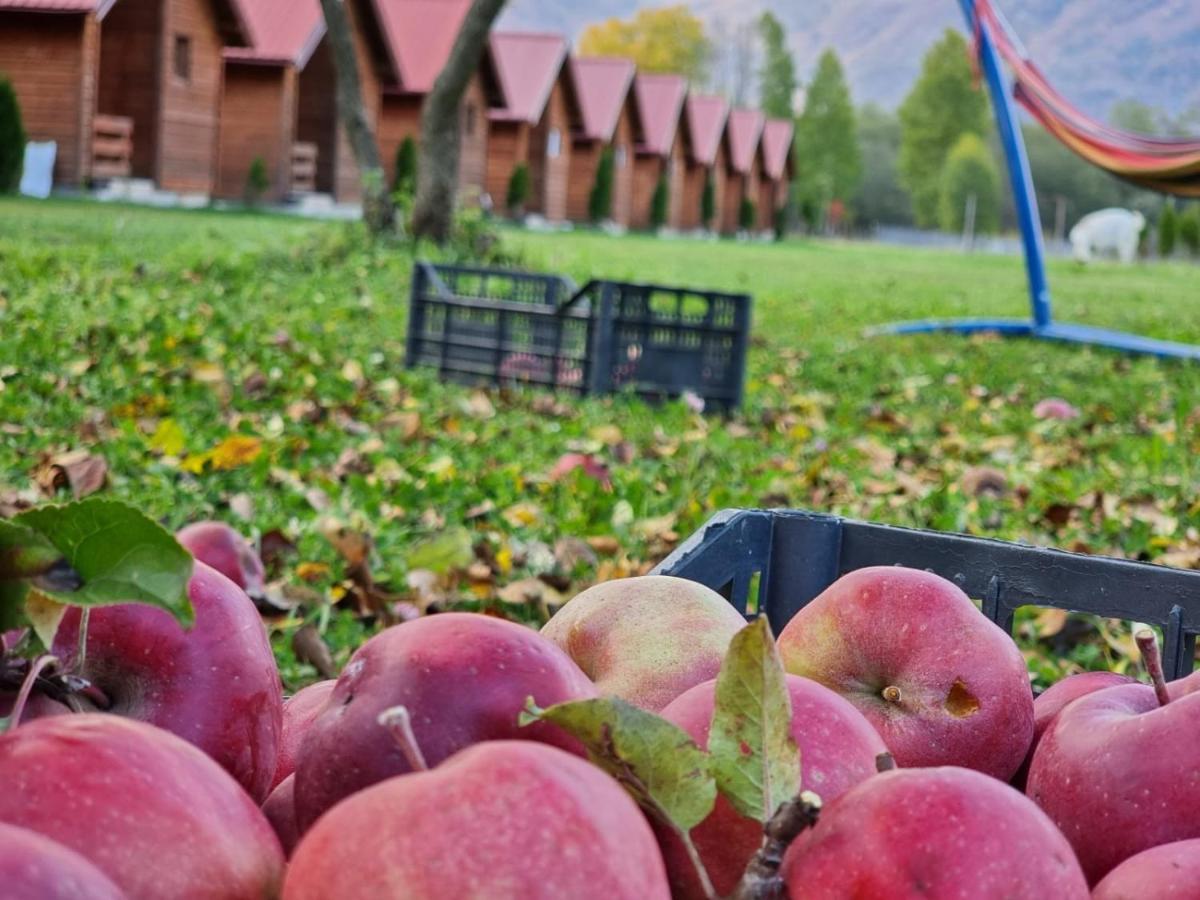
(553, 143)
(469, 120)
(181, 60)
(619, 159)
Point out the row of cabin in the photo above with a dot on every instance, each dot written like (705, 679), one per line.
(189, 94)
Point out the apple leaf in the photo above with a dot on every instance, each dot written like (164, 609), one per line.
(44, 616)
(118, 554)
(754, 759)
(12, 606)
(655, 761)
(24, 553)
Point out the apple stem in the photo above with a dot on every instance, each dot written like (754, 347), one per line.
(706, 884)
(1147, 643)
(83, 631)
(891, 694)
(35, 669)
(761, 880)
(885, 762)
(397, 720)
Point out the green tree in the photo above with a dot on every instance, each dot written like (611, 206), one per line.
(970, 172)
(518, 190)
(12, 139)
(880, 198)
(943, 105)
(665, 39)
(405, 180)
(826, 139)
(1189, 230)
(1168, 228)
(658, 203)
(747, 214)
(600, 200)
(777, 77)
(708, 202)
(1136, 116)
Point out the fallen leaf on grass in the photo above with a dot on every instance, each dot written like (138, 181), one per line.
(571, 552)
(353, 546)
(980, 481)
(168, 438)
(442, 553)
(592, 468)
(310, 648)
(312, 571)
(1055, 408)
(242, 506)
(604, 543)
(80, 470)
(523, 514)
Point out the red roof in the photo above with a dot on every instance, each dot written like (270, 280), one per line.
(776, 145)
(280, 31)
(601, 85)
(660, 103)
(420, 35)
(527, 64)
(100, 7)
(706, 115)
(745, 130)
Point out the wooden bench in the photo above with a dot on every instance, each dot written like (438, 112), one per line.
(112, 147)
(304, 168)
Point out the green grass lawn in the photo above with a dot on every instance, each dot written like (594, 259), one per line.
(151, 338)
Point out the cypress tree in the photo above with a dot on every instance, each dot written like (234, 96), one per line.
(658, 203)
(1168, 228)
(12, 139)
(708, 202)
(518, 190)
(406, 167)
(600, 200)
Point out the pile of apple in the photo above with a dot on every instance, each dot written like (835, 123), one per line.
(415, 774)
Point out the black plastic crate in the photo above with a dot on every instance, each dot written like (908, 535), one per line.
(505, 326)
(795, 555)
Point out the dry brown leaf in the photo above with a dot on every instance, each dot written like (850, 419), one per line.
(980, 481)
(80, 470)
(242, 506)
(312, 571)
(479, 406)
(353, 546)
(426, 589)
(571, 551)
(1049, 621)
(523, 514)
(604, 544)
(310, 647)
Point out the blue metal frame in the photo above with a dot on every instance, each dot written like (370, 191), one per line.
(1041, 324)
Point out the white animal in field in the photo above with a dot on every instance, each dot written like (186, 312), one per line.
(1108, 231)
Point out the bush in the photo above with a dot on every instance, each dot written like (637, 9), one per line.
(1168, 228)
(1189, 230)
(708, 202)
(658, 203)
(257, 181)
(969, 171)
(600, 200)
(406, 168)
(12, 139)
(747, 214)
(518, 190)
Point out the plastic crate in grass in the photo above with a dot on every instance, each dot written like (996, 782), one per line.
(505, 326)
(795, 555)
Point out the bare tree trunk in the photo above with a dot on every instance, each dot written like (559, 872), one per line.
(437, 173)
(378, 212)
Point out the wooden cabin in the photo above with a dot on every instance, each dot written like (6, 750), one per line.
(126, 88)
(535, 125)
(778, 170)
(419, 35)
(280, 101)
(607, 120)
(662, 152)
(743, 170)
(704, 121)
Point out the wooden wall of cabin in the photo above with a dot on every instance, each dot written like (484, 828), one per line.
(734, 189)
(585, 159)
(676, 175)
(316, 114)
(550, 157)
(258, 119)
(130, 52)
(508, 145)
(51, 62)
(623, 164)
(647, 168)
(191, 97)
(399, 118)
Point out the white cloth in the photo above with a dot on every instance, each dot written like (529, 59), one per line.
(37, 178)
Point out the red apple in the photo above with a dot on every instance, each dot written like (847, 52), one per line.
(463, 677)
(33, 867)
(1050, 703)
(1119, 773)
(942, 684)
(647, 639)
(299, 710)
(505, 820)
(152, 812)
(933, 833)
(214, 684)
(1166, 872)
(216, 544)
(280, 810)
(38, 706)
(837, 747)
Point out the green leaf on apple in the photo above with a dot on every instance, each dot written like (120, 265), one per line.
(113, 554)
(654, 760)
(755, 762)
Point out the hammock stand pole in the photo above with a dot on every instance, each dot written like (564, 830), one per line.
(1041, 323)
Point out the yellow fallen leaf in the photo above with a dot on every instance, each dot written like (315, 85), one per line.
(606, 434)
(168, 438)
(208, 373)
(236, 450)
(312, 571)
(523, 514)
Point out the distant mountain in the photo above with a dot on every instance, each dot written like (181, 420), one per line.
(1095, 51)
